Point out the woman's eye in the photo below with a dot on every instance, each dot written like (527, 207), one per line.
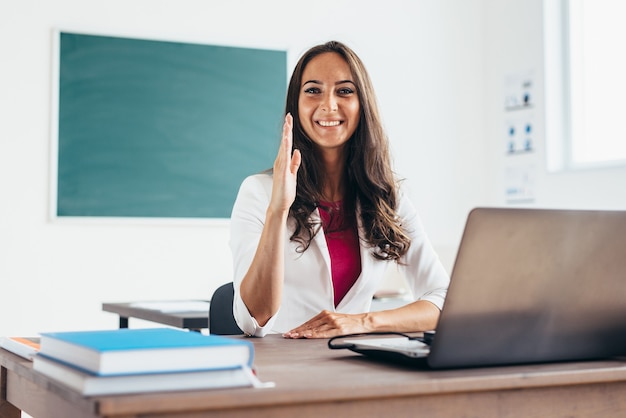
(312, 90)
(345, 91)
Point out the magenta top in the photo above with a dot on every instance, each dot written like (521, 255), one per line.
(342, 238)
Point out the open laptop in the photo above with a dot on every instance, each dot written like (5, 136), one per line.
(528, 286)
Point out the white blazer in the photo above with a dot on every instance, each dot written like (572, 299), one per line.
(308, 287)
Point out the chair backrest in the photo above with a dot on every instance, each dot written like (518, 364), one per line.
(221, 319)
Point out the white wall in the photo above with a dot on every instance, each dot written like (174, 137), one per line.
(513, 45)
(425, 59)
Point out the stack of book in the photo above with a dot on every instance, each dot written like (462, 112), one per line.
(26, 347)
(145, 360)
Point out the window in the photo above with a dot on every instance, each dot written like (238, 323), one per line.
(585, 83)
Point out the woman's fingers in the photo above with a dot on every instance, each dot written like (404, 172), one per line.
(283, 159)
(317, 327)
(296, 158)
(288, 130)
(285, 169)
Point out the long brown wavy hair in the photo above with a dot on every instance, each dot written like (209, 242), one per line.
(370, 181)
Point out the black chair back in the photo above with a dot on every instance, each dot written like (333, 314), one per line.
(221, 319)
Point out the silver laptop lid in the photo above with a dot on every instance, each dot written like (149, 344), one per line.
(535, 285)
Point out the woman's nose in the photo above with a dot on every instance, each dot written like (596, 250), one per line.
(329, 103)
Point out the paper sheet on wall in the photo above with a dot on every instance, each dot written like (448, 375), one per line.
(520, 183)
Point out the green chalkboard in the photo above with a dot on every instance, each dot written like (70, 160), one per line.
(163, 129)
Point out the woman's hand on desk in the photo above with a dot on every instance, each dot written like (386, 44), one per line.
(328, 324)
(417, 316)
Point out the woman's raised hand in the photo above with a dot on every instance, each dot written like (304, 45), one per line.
(285, 171)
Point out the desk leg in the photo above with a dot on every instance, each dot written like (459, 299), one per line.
(7, 410)
(123, 321)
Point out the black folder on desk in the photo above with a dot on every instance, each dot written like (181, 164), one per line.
(528, 286)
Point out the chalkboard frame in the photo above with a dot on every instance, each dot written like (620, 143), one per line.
(270, 138)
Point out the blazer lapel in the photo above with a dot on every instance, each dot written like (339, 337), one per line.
(319, 241)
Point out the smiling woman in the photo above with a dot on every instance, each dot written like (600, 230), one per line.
(329, 107)
(311, 240)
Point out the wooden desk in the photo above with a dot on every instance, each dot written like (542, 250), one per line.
(313, 381)
(191, 319)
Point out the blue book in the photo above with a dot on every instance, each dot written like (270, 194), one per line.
(147, 350)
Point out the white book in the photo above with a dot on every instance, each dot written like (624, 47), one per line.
(25, 347)
(90, 384)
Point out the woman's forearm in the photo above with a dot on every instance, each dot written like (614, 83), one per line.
(420, 315)
(262, 286)
(417, 316)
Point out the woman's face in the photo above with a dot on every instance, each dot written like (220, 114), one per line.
(328, 102)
